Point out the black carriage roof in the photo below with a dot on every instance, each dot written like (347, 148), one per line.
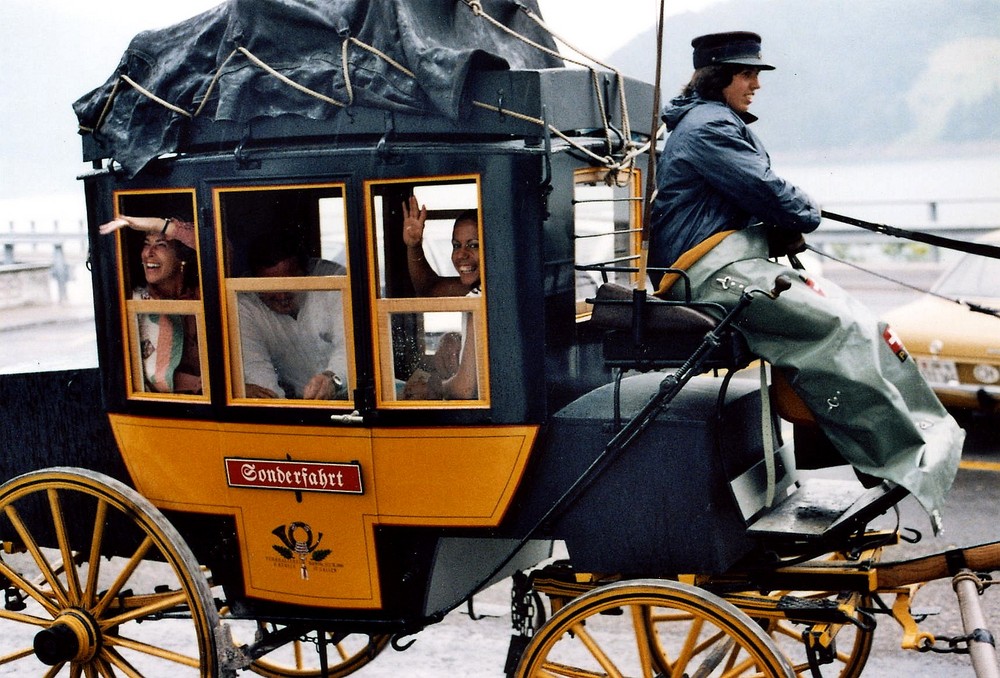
(299, 68)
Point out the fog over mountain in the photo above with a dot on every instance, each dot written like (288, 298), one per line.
(900, 77)
(852, 76)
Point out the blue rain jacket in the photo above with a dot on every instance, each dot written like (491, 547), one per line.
(714, 175)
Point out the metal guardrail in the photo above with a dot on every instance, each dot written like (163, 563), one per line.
(59, 268)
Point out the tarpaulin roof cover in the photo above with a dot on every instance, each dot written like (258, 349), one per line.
(437, 42)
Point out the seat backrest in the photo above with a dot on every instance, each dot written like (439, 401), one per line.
(615, 306)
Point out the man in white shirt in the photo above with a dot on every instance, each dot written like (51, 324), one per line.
(293, 341)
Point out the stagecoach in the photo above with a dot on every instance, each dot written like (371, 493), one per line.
(152, 531)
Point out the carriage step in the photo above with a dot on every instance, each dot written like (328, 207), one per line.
(822, 507)
(794, 608)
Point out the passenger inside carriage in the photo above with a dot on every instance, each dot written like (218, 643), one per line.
(715, 186)
(292, 341)
(453, 374)
(168, 343)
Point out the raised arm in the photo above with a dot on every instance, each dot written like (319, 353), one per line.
(168, 227)
(426, 281)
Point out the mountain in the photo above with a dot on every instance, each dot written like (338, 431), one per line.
(853, 75)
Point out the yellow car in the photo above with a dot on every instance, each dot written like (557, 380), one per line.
(957, 347)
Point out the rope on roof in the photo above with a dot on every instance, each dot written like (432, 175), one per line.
(263, 65)
(627, 160)
(623, 162)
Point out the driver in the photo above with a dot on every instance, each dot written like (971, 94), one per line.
(717, 194)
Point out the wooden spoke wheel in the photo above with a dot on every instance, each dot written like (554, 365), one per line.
(650, 628)
(98, 583)
(346, 653)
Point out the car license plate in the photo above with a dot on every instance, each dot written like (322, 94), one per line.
(938, 371)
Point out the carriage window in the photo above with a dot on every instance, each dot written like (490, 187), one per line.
(428, 273)
(287, 294)
(607, 217)
(161, 293)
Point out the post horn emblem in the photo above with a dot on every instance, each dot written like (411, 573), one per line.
(298, 542)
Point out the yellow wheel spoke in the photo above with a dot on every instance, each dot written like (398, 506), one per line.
(72, 578)
(300, 661)
(43, 564)
(104, 669)
(554, 670)
(642, 639)
(341, 651)
(123, 576)
(16, 655)
(22, 618)
(94, 560)
(29, 588)
(689, 648)
(595, 650)
(790, 631)
(113, 660)
(151, 650)
(739, 670)
(676, 617)
(157, 604)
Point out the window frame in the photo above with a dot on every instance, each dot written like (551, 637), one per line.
(133, 308)
(596, 176)
(232, 287)
(383, 308)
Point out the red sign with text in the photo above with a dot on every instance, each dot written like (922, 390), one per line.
(300, 476)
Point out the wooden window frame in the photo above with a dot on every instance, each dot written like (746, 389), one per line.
(133, 308)
(232, 286)
(383, 308)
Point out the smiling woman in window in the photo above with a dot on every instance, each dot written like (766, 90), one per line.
(465, 256)
(168, 342)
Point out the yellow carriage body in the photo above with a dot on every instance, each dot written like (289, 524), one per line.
(324, 491)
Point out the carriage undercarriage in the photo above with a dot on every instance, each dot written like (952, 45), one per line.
(819, 615)
(804, 601)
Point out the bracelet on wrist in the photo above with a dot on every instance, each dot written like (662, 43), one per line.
(166, 222)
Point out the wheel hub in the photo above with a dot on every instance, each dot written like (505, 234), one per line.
(72, 637)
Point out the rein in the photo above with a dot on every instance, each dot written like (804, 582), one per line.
(978, 248)
(972, 306)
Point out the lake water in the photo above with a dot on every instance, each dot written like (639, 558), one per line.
(965, 189)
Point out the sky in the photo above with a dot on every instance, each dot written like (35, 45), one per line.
(54, 51)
